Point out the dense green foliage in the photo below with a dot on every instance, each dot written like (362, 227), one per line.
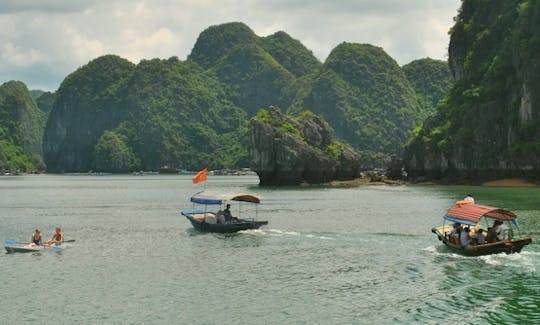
(45, 101)
(431, 80)
(113, 115)
(21, 129)
(87, 103)
(291, 54)
(179, 116)
(489, 124)
(159, 112)
(365, 97)
(217, 41)
(111, 153)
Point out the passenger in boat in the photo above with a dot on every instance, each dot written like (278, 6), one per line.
(480, 238)
(493, 232)
(469, 197)
(228, 216)
(499, 230)
(36, 238)
(464, 237)
(454, 234)
(220, 216)
(57, 238)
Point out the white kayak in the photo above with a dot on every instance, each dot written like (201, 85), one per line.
(25, 248)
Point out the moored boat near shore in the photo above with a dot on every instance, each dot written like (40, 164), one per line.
(501, 226)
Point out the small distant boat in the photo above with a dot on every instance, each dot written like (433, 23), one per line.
(168, 170)
(206, 220)
(475, 216)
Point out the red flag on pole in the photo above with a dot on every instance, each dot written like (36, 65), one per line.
(200, 176)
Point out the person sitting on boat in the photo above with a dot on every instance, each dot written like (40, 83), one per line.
(228, 216)
(469, 197)
(57, 238)
(464, 237)
(480, 238)
(501, 230)
(454, 234)
(220, 216)
(493, 232)
(36, 238)
(491, 237)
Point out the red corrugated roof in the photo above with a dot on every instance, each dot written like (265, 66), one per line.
(473, 212)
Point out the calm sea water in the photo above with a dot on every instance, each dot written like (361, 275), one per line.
(328, 256)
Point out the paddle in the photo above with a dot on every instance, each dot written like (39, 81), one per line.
(56, 248)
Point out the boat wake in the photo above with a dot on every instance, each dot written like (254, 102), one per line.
(526, 260)
(282, 233)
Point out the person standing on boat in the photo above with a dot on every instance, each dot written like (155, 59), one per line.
(57, 238)
(464, 237)
(36, 238)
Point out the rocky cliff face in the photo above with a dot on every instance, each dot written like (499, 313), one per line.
(489, 126)
(87, 104)
(291, 151)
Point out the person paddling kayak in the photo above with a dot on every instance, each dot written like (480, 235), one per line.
(57, 238)
(36, 238)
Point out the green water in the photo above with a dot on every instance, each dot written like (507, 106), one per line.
(327, 256)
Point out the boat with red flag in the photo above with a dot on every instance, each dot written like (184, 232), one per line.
(474, 229)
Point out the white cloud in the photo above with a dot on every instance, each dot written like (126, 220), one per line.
(43, 41)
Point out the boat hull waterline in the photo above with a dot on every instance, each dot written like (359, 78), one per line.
(17, 248)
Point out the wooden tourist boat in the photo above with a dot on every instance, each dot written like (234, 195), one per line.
(206, 219)
(475, 216)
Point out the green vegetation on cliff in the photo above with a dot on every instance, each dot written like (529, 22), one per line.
(159, 112)
(291, 54)
(21, 129)
(179, 116)
(488, 126)
(87, 103)
(365, 97)
(431, 80)
(113, 115)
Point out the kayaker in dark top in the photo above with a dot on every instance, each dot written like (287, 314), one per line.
(36, 237)
(57, 238)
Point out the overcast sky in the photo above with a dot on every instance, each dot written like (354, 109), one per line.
(42, 41)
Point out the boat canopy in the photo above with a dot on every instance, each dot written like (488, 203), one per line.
(471, 213)
(211, 198)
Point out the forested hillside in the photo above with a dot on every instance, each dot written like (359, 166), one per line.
(21, 129)
(114, 115)
(431, 80)
(489, 125)
(364, 95)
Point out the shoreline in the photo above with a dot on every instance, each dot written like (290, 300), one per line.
(505, 182)
(361, 181)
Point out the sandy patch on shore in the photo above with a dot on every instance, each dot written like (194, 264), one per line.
(509, 182)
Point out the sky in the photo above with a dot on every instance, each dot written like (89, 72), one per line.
(43, 41)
